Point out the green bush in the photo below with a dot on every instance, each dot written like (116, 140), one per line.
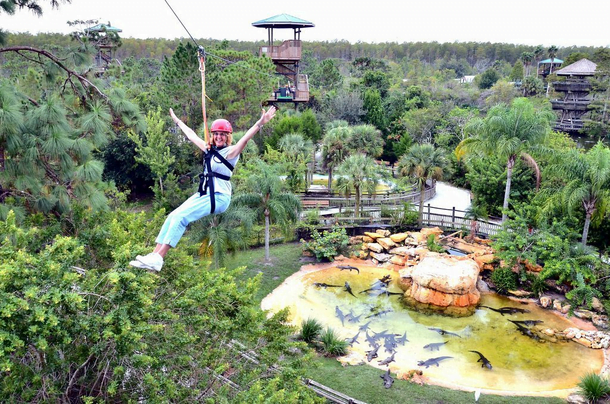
(310, 330)
(327, 245)
(504, 279)
(76, 321)
(433, 245)
(594, 387)
(332, 344)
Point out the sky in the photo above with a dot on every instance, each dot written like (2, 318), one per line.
(523, 22)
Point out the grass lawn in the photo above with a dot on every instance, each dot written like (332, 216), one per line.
(359, 382)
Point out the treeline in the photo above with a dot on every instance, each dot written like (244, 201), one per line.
(473, 53)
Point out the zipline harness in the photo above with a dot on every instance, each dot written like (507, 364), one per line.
(206, 179)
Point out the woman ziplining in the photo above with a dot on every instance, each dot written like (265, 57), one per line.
(214, 193)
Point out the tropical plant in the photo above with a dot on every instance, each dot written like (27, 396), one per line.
(327, 245)
(266, 196)
(422, 162)
(332, 344)
(365, 139)
(297, 151)
(594, 387)
(310, 330)
(357, 170)
(224, 234)
(504, 279)
(509, 132)
(581, 184)
(334, 149)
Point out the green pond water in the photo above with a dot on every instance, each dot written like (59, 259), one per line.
(520, 364)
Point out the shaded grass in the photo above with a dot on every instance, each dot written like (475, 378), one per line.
(360, 382)
(364, 383)
(284, 261)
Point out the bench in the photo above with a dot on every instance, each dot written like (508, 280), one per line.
(315, 203)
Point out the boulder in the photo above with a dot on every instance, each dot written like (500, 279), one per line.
(386, 243)
(381, 257)
(383, 232)
(374, 236)
(375, 247)
(404, 251)
(443, 284)
(399, 237)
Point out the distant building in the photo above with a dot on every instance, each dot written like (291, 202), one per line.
(466, 79)
(575, 99)
(548, 66)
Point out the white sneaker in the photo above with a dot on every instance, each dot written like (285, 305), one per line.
(152, 261)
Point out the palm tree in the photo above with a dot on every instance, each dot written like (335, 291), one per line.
(358, 170)
(296, 149)
(582, 181)
(334, 149)
(509, 132)
(422, 162)
(527, 58)
(268, 199)
(226, 233)
(552, 53)
(366, 139)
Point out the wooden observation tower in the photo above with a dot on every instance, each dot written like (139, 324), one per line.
(575, 99)
(292, 85)
(106, 39)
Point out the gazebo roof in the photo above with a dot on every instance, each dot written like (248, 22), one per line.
(548, 61)
(584, 67)
(103, 28)
(283, 21)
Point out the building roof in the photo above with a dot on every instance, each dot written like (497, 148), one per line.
(103, 28)
(584, 67)
(548, 61)
(283, 21)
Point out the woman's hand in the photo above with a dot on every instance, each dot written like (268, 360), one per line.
(266, 116)
(174, 117)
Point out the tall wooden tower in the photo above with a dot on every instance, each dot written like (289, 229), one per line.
(106, 39)
(292, 85)
(575, 100)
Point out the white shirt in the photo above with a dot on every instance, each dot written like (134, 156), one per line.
(220, 185)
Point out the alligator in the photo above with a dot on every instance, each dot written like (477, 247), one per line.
(379, 313)
(485, 363)
(371, 340)
(387, 360)
(385, 279)
(354, 319)
(443, 332)
(348, 268)
(364, 327)
(340, 314)
(402, 339)
(325, 285)
(348, 289)
(528, 323)
(435, 346)
(387, 379)
(353, 339)
(370, 355)
(507, 310)
(526, 331)
(433, 361)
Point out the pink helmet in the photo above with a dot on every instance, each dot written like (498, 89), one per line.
(221, 125)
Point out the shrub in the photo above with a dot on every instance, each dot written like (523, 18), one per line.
(433, 245)
(593, 387)
(504, 279)
(332, 344)
(327, 245)
(310, 330)
(312, 217)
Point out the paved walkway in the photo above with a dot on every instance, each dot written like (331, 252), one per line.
(447, 196)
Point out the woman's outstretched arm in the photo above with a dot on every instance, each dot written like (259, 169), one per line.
(188, 132)
(266, 116)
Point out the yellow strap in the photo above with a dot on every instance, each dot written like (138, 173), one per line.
(203, 97)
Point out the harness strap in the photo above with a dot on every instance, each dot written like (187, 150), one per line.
(206, 179)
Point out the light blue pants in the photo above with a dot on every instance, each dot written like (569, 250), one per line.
(191, 210)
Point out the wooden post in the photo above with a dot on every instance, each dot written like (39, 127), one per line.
(453, 217)
(428, 214)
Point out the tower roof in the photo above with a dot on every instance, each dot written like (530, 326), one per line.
(283, 21)
(584, 67)
(103, 28)
(548, 61)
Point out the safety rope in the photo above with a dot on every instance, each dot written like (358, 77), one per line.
(201, 53)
